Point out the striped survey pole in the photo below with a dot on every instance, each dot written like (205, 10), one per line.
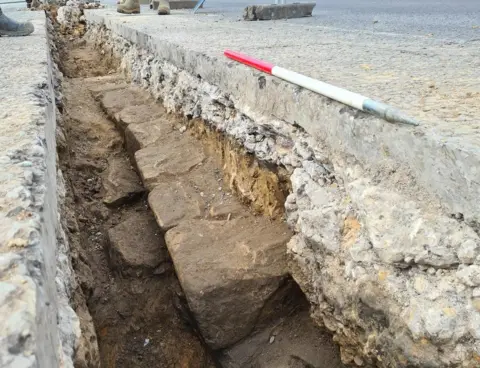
(344, 96)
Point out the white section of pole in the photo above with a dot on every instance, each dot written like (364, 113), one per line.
(336, 93)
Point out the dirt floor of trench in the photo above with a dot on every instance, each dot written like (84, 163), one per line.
(139, 320)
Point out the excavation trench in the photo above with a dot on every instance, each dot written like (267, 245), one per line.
(177, 235)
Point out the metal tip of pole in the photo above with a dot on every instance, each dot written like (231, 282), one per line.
(395, 116)
(388, 113)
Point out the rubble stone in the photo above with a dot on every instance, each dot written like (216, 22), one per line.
(136, 245)
(121, 183)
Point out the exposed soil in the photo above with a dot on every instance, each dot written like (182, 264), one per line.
(138, 320)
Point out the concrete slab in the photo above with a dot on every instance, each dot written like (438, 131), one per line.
(38, 328)
(274, 12)
(399, 72)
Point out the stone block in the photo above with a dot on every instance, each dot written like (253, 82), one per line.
(113, 101)
(174, 202)
(136, 245)
(273, 12)
(167, 159)
(228, 271)
(141, 135)
(121, 183)
(138, 114)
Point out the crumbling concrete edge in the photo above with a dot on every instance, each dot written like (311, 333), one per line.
(385, 267)
(39, 328)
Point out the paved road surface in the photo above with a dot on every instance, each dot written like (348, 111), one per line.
(456, 19)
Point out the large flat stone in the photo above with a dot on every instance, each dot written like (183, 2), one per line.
(113, 101)
(136, 245)
(138, 136)
(197, 194)
(273, 12)
(121, 183)
(137, 114)
(193, 197)
(102, 84)
(168, 158)
(228, 270)
(173, 202)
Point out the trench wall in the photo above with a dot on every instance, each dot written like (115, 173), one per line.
(386, 221)
(38, 326)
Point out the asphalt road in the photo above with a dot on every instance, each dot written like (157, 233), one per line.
(446, 19)
(449, 19)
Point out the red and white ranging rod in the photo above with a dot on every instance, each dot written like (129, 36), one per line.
(344, 96)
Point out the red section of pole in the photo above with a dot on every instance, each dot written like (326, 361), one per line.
(247, 60)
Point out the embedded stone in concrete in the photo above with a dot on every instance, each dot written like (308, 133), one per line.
(116, 100)
(136, 245)
(272, 12)
(168, 158)
(173, 202)
(401, 231)
(293, 342)
(228, 270)
(138, 136)
(121, 183)
(137, 114)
